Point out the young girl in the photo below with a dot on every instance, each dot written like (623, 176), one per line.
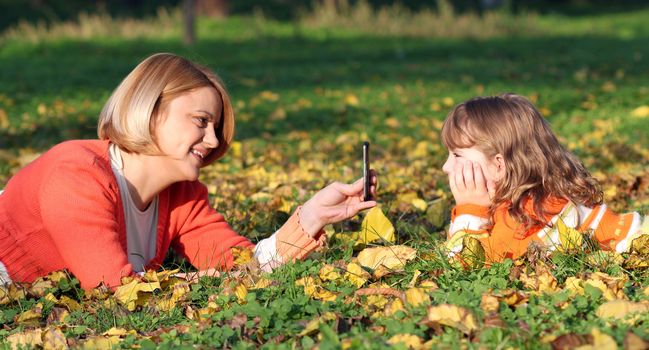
(512, 182)
(112, 207)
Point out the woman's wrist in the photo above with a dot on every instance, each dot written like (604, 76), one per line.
(309, 220)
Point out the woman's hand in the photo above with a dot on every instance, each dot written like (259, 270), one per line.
(469, 186)
(335, 203)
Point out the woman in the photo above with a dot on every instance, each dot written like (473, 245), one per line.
(112, 207)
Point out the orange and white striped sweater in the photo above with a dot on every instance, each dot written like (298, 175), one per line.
(508, 238)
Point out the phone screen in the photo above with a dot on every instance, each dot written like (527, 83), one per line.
(366, 172)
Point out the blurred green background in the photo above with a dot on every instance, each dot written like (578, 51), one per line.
(343, 71)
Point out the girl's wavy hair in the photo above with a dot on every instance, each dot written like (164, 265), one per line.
(537, 166)
(137, 105)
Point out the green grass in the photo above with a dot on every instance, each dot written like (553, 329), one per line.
(590, 72)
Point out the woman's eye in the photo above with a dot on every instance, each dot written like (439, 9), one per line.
(202, 121)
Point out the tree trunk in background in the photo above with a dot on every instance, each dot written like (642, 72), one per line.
(189, 17)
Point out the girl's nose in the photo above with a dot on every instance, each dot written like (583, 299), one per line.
(448, 166)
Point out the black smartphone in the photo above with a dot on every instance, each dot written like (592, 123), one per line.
(367, 195)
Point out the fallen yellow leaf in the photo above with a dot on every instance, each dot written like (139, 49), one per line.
(314, 325)
(351, 100)
(416, 296)
(329, 272)
(54, 339)
(570, 238)
(29, 339)
(620, 309)
(376, 227)
(410, 341)
(394, 306)
(601, 341)
(10, 294)
(641, 112)
(489, 303)
(119, 332)
(315, 290)
(472, 253)
(356, 274)
(101, 343)
(30, 317)
(134, 293)
(453, 316)
(392, 257)
(640, 245)
(242, 255)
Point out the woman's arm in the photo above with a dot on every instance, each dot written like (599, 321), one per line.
(80, 214)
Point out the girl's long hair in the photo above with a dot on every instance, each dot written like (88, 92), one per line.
(537, 166)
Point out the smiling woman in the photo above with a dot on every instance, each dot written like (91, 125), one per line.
(113, 207)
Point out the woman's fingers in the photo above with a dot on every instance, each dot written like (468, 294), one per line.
(350, 210)
(363, 205)
(349, 189)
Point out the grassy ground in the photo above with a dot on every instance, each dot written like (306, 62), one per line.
(306, 96)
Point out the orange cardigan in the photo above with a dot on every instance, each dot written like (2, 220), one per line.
(509, 239)
(64, 211)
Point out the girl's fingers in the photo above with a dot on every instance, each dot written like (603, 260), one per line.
(459, 177)
(491, 189)
(468, 176)
(478, 177)
(452, 184)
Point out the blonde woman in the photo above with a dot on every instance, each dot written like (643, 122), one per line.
(112, 207)
(514, 183)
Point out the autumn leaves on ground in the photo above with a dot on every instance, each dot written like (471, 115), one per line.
(306, 97)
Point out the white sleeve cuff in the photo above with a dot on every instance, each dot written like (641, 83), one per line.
(266, 253)
(466, 222)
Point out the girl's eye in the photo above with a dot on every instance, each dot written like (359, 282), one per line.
(456, 155)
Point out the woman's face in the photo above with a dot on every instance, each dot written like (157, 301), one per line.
(185, 133)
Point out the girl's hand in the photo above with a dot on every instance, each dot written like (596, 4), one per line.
(335, 203)
(469, 186)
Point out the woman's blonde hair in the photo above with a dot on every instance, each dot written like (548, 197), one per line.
(537, 166)
(130, 115)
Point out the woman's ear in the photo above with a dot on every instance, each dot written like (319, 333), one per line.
(499, 162)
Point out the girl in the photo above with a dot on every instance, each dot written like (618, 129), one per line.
(512, 182)
(112, 207)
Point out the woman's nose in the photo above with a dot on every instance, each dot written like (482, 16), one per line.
(210, 139)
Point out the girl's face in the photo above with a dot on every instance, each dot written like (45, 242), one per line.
(185, 133)
(492, 167)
